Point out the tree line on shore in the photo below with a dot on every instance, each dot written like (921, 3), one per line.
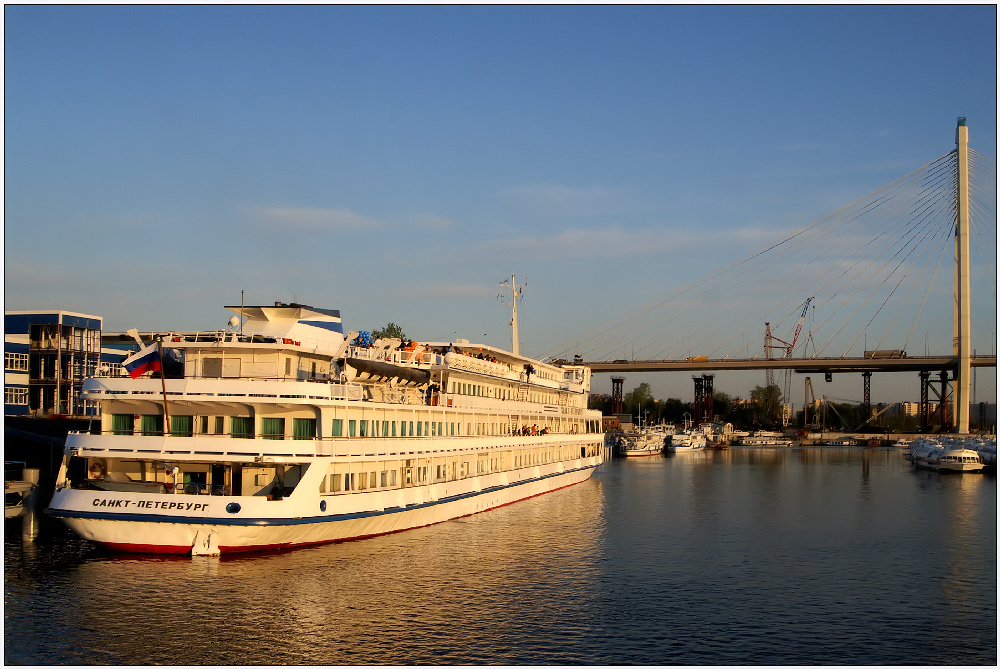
(761, 411)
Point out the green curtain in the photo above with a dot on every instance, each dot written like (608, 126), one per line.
(182, 426)
(241, 427)
(303, 428)
(122, 423)
(272, 428)
(151, 425)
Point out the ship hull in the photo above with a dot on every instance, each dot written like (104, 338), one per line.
(169, 534)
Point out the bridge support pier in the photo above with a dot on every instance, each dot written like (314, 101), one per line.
(616, 394)
(704, 408)
(866, 403)
(924, 408)
(699, 399)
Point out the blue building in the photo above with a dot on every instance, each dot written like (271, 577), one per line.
(47, 355)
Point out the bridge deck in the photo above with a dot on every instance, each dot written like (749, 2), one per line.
(800, 365)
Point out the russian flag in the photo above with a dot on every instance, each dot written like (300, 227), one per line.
(146, 360)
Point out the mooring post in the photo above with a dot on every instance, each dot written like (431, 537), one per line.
(29, 518)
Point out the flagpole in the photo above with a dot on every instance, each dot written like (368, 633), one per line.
(163, 382)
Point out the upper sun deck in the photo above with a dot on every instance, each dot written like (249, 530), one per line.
(293, 342)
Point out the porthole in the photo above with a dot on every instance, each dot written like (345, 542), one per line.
(322, 505)
(233, 507)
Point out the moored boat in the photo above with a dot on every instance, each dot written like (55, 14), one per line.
(285, 432)
(960, 460)
(765, 438)
(689, 441)
(647, 442)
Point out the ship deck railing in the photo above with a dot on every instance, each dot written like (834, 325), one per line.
(218, 447)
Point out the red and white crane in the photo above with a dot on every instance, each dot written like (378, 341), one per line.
(788, 347)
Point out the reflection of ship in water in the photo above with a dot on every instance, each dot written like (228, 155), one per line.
(345, 603)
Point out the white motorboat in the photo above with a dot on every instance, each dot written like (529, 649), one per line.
(649, 441)
(959, 460)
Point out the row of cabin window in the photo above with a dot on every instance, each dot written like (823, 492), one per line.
(302, 428)
(459, 388)
(240, 426)
(386, 478)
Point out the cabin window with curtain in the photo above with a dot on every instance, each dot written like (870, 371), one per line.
(338, 427)
(351, 427)
(241, 427)
(272, 428)
(122, 423)
(151, 425)
(364, 428)
(303, 428)
(182, 426)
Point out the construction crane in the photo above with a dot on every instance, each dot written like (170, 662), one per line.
(788, 347)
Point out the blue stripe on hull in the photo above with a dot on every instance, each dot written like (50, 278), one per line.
(270, 522)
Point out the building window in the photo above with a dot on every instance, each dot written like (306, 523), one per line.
(17, 362)
(15, 395)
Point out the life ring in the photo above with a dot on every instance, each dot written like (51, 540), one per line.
(98, 469)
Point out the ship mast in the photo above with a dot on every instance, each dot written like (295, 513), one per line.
(515, 290)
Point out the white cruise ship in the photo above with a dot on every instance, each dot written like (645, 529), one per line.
(283, 432)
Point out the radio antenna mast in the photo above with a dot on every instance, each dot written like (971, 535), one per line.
(515, 290)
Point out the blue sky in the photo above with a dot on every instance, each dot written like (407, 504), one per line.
(397, 163)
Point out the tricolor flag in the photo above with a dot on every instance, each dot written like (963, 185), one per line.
(146, 360)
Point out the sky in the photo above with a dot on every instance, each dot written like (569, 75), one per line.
(397, 163)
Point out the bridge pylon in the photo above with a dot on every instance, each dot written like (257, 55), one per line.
(963, 284)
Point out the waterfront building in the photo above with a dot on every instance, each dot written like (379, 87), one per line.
(47, 355)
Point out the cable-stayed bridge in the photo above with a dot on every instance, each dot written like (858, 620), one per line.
(859, 290)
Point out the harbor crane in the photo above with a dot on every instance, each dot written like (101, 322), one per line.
(788, 347)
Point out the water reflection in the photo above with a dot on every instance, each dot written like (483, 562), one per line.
(745, 556)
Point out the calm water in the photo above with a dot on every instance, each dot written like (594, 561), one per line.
(784, 556)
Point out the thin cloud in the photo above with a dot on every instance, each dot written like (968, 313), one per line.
(554, 199)
(314, 218)
(447, 290)
(431, 222)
